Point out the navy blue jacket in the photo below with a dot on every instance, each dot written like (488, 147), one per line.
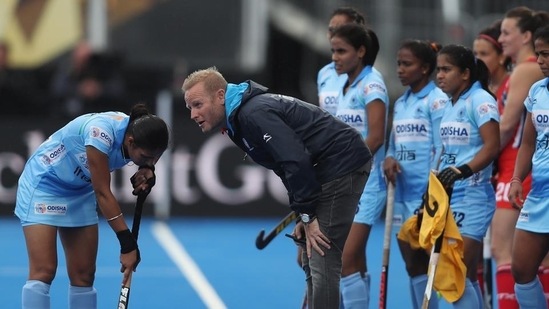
(303, 144)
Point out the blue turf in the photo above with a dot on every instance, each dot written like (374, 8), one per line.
(223, 249)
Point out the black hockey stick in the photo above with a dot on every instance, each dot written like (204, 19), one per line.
(124, 297)
(261, 242)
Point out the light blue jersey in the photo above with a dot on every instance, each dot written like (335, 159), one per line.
(55, 186)
(367, 87)
(473, 199)
(415, 142)
(329, 84)
(534, 215)
(537, 103)
(460, 132)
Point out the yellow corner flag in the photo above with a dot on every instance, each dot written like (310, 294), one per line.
(437, 219)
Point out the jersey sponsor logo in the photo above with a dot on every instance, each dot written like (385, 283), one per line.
(374, 87)
(328, 98)
(45, 209)
(55, 155)
(456, 133)
(351, 116)
(541, 119)
(411, 130)
(101, 135)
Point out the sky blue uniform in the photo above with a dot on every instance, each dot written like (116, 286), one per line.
(55, 186)
(473, 199)
(367, 87)
(415, 143)
(534, 215)
(329, 83)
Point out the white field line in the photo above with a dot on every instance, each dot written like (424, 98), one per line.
(186, 265)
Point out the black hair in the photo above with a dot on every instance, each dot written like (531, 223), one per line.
(149, 131)
(542, 34)
(354, 15)
(464, 59)
(357, 36)
(426, 51)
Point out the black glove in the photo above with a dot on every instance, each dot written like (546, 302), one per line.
(450, 174)
(151, 181)
(128, 244)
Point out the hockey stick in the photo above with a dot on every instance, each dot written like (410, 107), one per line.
(386, 246)
(487, 266)
(261, 242)
(433, 259)
(124, 297)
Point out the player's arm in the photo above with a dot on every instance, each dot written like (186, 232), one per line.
(520, 82)
(101, 179)
(489, 133)
(376, 125)
(523, 163)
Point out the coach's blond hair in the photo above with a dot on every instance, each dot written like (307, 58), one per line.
(213, 80)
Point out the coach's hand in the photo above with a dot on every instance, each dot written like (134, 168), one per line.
(314, 237)
(143, 180)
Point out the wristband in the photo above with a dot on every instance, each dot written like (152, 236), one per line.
(465, 170)
(127, 242)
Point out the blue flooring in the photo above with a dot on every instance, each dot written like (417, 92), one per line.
(239, 275)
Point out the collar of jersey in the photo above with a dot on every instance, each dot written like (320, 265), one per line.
(475, 86)
(422, 93)
(367, 70)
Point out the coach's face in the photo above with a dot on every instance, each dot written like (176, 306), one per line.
(207, 109)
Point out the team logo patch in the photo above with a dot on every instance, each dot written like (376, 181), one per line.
(101, 135)
(46, 209)
(83, 159)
